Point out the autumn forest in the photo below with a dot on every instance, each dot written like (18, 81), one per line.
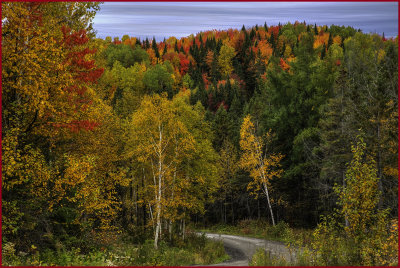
(117, 151)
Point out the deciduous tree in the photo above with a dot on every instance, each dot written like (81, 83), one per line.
(262, 164)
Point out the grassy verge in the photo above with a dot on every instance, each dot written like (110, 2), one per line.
(262, 258)
(194, 250)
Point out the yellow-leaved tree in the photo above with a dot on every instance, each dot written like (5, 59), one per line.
(159, 141)
(59, 138)
(262, 164)
(225, 57)
(175, 166)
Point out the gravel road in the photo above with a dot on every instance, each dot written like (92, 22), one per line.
(241, 249)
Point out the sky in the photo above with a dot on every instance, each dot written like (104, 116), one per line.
(180, 19)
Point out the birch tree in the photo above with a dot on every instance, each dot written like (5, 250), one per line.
(160, 141)
(262, 164)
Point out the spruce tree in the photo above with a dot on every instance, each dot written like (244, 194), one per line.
(155, 48)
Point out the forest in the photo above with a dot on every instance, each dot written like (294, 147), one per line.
(126, 146)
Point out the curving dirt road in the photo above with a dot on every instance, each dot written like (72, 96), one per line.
(241, 249)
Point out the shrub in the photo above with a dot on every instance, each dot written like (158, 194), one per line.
(262, 258)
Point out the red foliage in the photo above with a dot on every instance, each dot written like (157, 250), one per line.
(35, 14)
(76, 125)
(274, 29)
(205, 80)
(197, 40)
(230, 34)
(210, 101)
(221, 82)
(169, 56)
(184, 64)
(72, 39)
(284, 65)
(338, 62)
(223, 104)
(83, 71)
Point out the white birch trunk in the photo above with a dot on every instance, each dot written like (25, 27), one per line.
(269, 203)
(159, 193)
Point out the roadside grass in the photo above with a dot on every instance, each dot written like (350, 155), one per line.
(262, 258)
(194, 250)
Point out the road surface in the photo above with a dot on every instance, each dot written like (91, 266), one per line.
(241, 249)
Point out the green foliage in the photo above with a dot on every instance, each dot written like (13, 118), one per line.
(140, 55)
(194, 250)
(125, 55)
(120, 53)
(158, 79)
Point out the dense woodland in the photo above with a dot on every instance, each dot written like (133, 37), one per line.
(103, 137)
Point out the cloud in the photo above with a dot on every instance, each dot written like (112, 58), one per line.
(164, 19)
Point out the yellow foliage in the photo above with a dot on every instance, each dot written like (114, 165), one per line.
(225, 57)
(369, 238)
(320, 40)
(337, 40)
(37, 79)
(262, 167)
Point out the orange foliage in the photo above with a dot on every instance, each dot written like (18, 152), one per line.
(321, 38)
(284, 65)
(265, 50)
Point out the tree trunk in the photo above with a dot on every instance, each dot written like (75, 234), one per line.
(233, 211)
(269, 204)
(170, 230)
(159, 192)
(183, 229)
(248, 208)
(158, 226)
(346, 219)
(158, 215)
(379, 162)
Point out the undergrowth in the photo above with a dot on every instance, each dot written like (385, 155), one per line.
(193, 250)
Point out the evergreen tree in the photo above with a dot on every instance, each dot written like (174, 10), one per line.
(165, 48)
(330, 41)
(176, 46)
(155, 48)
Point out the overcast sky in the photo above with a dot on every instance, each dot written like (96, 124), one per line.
(179, 19)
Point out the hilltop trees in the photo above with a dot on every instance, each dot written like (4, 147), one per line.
(297, 82)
